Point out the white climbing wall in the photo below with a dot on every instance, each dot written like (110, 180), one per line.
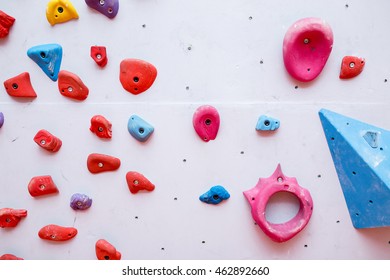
(224, 53)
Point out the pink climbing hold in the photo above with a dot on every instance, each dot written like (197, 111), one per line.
(306, 48)
(206, 122)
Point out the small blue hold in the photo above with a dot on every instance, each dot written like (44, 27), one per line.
(139, 128)
(80, 201)
(1, 119)
(48, 57)
(215, 195)
(266, 123)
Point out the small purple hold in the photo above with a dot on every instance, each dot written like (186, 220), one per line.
(109, 8)
(1, 119)
(80, 201)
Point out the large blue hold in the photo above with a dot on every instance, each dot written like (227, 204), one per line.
(360, 154)
(139, 128)
(215, 195)
(48, 57)
(266, 123)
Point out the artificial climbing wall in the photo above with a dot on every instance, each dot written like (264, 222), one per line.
(227, 54)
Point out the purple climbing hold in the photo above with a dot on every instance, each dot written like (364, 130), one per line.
(109, 8)
(1, 119)
(80, 201)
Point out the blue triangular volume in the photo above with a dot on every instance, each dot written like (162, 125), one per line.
(48, 57)
(361, 156)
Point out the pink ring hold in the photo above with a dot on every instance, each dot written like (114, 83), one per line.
(206, 122)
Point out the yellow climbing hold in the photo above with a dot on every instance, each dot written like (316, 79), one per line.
(59, 11)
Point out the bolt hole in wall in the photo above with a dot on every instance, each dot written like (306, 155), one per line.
(282, 207)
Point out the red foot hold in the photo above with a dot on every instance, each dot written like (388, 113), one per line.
(99, 55)
(20, 86)
(11, 217)
(42, 185)
(137, 76)
(106, 251)
(57, 233)
(351, 66)
(70, 85)
(101, 126)
(9, 257)
(137, 182)
(48, 141)
(98, 163)
(6, 21)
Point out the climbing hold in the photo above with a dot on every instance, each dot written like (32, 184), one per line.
(109, 8)
(259, 196)
(80, 201)
(136, 76)
(106, 251)
(351, 66)
(11, 217)
(42, 185)
(70, 85)
(215, 195)
(6, 21)
(306, 48)
(48, 141)
(60, 11)
(266, 123)
(20, 86)
(48, 57)
(57, 233)
(1, 119)
(206, 122)
(361, 157)
(9, 257)
(139, 128)
(137, 182)
(98, 163)
(99, 55)
(101, 126)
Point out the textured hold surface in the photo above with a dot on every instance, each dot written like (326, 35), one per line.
(106, 251)
(137, 76)
(137, 182)
(266, 123)
(11, 217)
(48, 141)
(259, 196)
(139, 128)
(215, 195)
(80, 201)
(70, 85)
(48, 57)
(98, 163)
(101, 127)
(42, 185)
(57, 233)
(206, 122)
(109, 8)
(60, 11)
(9, 257)
(306, 48)
(1, 119)
(362, 165)
(351, 66)
(6, 21)
(20, 86)
(99, 55)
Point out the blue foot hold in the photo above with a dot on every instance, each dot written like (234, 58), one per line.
(215, 195)
(139, 129)
(266, 123)
(48, 57)
(361, 155)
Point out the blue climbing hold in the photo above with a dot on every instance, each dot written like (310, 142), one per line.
(48, 57)
(215, 195)
(266, 123)
(139, 128)
(361, 155)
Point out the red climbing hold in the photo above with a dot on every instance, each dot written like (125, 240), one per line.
(9, 257)
(42, 185)
(351, 66)
(106, 251)
(48, 141)
(11, 217)
(70, 85)
(136, 76)
(20, 86)
(57, 233)
(101, 126)
(137, 182)
(99, 55)
(98, 163)
(6, 21)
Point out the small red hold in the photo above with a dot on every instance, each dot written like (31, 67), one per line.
(106, 251)
(101, 127)
(11, 217)
(48, 141)
(57, 233)
(70, 85)
(351, 66)
(98, 163)
(99, 55)
(6, 21)
(42, 185)
(9, 257)
(137, 182)
(20, 86)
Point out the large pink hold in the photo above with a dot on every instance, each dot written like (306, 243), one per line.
(206, 122)
(306, 48)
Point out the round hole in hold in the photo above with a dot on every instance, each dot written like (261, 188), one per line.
(282, 207)
(136, 182)
(101, 2)
(110, 10)
(332, 138)
(308, 69)
(42, 187)
(207, 122)
(353, 172)
(306, 41)
(98, 56)
(215, 197)
(141, 130)
(136, 79)
(352, 65)
(370, 202)
(60, 10)
(106, 257)
(280, 179)
(136, 89)
(381, 148)
(8, 220)
(267, 122)
(15, 86)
